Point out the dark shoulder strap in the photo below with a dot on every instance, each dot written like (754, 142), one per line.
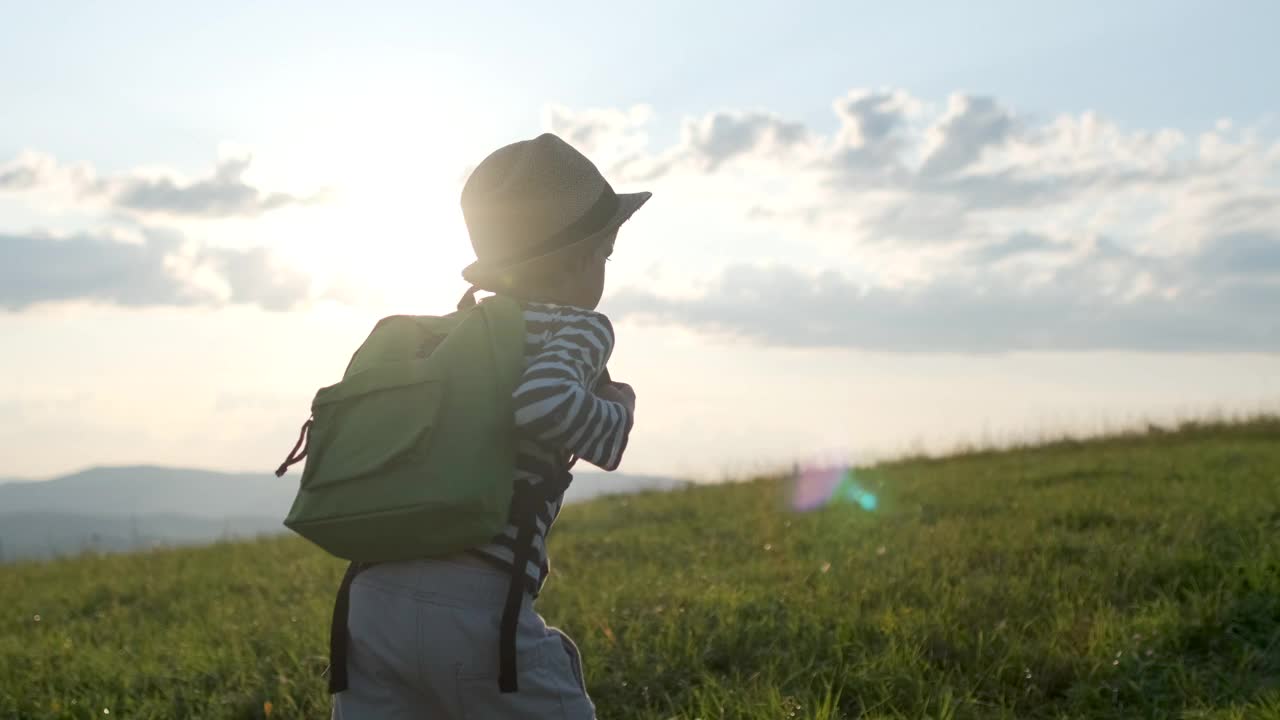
(526, 523)
(507, 670)
(339, 635)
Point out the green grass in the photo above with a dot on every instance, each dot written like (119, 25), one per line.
(1130, 577)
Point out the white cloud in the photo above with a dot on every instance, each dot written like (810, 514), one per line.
(32, 170)
(969, 126)
(611, 137)
(1069, 232)
(120, 256)
(26, 171)
(1107, 299)
(161, 269)
(873, 135)
(707, 143)
(224, 194)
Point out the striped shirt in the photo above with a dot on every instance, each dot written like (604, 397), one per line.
(558, 416)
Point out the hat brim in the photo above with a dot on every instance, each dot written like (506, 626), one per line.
(482, 273)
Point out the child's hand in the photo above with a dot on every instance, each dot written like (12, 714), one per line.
(619, 393)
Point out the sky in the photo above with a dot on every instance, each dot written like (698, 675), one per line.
(876, 228)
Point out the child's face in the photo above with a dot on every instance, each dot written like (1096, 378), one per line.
(586, 286)
(580, 282)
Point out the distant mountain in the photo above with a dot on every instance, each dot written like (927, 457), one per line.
(146, 490)
(587, 485)
(123, 508)
(131, 508)
(25, 536)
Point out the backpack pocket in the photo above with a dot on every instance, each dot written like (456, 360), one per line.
(379, 417)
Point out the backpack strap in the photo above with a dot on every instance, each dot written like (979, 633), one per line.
(338, 633)
(511, 609)
(516, 589)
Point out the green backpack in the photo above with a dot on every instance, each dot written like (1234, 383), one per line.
(412, 454)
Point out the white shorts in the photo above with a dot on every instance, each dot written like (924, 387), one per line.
(424, 644)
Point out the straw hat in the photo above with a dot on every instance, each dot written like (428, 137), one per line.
(531, 202)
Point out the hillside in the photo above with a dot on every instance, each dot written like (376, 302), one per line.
(1131, 577)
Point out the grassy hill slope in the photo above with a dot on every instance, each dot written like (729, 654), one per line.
(1131, 577)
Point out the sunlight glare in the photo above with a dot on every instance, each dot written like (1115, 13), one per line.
(817, 487)
(390, 232)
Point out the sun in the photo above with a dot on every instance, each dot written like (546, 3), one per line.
(389, 229)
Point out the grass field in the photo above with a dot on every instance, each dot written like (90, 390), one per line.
(1130, 577)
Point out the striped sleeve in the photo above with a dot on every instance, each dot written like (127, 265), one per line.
(554, 403)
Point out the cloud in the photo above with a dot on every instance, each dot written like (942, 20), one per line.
(969, 226)
(970, 126)
(254, 278)
(1102, 296)
(147, 265)
(1014, 246)
(975, 153)
(711, 141)
(1108, 300)
(612, 138)
(592, 131)
(224, 194)
(23, 173)
(32, 170)
(616, 140)
(160, 270)
(872, 136)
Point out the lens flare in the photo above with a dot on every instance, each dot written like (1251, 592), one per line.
(813, 488)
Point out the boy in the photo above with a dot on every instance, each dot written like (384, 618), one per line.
(424, 635)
